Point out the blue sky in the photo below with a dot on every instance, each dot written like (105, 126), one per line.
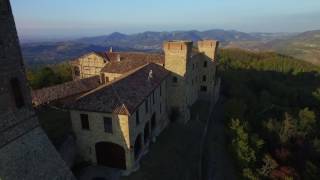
(76, 18)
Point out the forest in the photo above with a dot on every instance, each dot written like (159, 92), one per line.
(272, 107)
(44, 76)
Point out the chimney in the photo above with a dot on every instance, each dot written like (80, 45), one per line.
(111, 50)
(118, 57)
(150, 76)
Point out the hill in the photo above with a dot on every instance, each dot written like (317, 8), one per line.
(305, 46)
(271, 105)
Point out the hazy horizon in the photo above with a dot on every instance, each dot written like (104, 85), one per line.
(61, 19)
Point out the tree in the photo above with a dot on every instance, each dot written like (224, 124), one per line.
(288, 129)
(311, 172)
(307, 120)
(244, 153)
(249, 174)
(316, 94)
(269, 164)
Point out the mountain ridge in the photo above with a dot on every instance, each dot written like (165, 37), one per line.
(39, 53)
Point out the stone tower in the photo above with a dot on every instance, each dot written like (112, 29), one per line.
(209, 48)
(25, 150)
(208, 66)
(177, 57)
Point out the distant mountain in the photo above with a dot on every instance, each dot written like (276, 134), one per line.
(55, 52)
(305, 46)
(153, 40)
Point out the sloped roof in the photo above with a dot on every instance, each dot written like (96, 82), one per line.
(124, 56)
(124, 95)
(130, 61)
(61, 91)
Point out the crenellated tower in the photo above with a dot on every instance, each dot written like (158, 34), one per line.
(177, 58)
(207, 68)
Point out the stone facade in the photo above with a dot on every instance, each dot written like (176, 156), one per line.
(131, 131)
(89, 65)
(25, 150)
(193, 73)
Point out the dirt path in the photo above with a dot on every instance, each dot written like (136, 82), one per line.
(217, 162)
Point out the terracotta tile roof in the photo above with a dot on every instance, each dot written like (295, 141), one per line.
(130, 61)
(65, 90)
(124, 95)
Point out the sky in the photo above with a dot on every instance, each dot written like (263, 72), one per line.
(79, 18)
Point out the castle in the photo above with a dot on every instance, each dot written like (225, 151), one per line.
(25, 150)
(139, 93)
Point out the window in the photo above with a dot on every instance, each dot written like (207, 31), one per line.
(174, 79)
(137, 117)
(153, 100)
(160, 108)
(84, 121)
(192, 66)
(16, 90)
(76, 71)
(147, 105)
(161, 90)
(205, 64)
(204, 78)
(1, 49)
(107, 125)
(203, 88)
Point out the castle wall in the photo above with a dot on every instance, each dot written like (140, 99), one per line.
(30, 157)
(25, 150)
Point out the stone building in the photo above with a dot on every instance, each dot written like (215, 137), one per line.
(115, 122)
(92, 63)
(25, 150)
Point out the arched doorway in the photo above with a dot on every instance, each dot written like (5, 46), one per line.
(137, 147)
(111, 155)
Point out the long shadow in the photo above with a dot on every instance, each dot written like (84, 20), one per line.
(264, 95)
